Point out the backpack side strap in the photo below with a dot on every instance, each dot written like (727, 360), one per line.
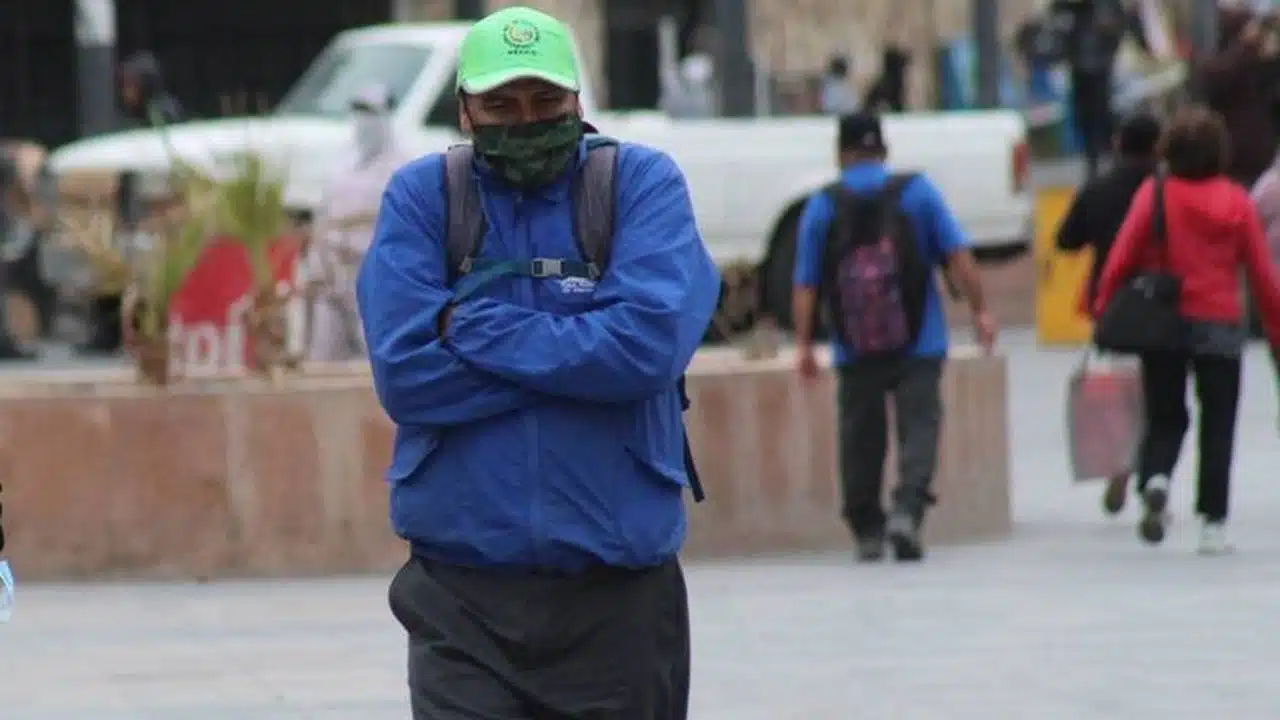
(465, 223)
(690, 467)
(592, 194)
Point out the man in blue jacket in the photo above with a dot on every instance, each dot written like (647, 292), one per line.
(539, 469)
(845, 235)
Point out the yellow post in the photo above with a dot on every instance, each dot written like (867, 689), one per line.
(1060, 277)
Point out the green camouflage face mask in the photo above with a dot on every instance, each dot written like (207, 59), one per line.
(531, 155)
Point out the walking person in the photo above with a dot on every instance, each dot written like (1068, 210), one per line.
(1094, 220)
(888, 94)
(1207, 230)
(10, 348)
(1266, 197)
(532, 361)
(837, 94)
(868, 247)
(1093, 31)
(145, 103)
(144, 97)
(1238, 81)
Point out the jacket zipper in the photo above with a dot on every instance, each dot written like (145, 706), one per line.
(530, 421)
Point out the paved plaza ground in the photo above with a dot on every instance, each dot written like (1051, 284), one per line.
(1071, 620)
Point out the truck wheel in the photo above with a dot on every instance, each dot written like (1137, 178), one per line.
(776, 272)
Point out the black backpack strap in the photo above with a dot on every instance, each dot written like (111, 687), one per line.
(894, 186)
(690, 467)
(890, 197)
(592, 195)
(593, 217)
(466, 222)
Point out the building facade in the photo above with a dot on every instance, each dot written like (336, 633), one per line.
(797, 36)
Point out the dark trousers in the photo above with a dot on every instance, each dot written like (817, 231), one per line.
(865, 387)
(1091, 111)
(105, 333)
(607, 644)
(1164, 383)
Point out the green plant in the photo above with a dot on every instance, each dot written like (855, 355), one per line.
(90, 232)
(166, 267)
(246, 198)
(249, 207)
(242, 200)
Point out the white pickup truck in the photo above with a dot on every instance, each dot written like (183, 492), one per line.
(749, 177)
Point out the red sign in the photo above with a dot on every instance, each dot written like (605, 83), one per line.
(206, 316)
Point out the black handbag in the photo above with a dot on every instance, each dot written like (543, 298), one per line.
(1144, 315)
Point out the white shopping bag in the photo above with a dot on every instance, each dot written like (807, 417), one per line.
(1105, 417)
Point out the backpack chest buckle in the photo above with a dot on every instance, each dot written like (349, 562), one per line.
(545, 268)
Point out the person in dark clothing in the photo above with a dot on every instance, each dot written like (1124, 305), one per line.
(9, 348)
(1094, 220)
(1237, 83)
(143, 96)
(1212, 233)
(145, 103)
(889, 92)
(1092, 31)
(1098, 210)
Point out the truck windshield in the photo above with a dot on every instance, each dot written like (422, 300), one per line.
(329, 85)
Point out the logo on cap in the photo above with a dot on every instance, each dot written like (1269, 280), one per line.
(519, 34)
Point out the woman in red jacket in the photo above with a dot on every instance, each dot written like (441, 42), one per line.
(1212, 231)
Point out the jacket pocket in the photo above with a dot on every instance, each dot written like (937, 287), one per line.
(648, 502)
(414, 446)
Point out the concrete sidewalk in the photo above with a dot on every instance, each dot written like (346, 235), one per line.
(1072, 620)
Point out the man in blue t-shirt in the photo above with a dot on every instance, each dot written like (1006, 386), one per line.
(912, 377)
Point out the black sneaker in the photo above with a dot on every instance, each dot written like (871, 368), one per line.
(1155, 500)
(1113, 498)
(869, 548)
(904, 538)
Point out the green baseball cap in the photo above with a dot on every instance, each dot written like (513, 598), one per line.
(514, 44)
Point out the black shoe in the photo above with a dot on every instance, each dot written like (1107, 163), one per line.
(1113, 498)
(904, 537)
(869, 548)
(1155, 499)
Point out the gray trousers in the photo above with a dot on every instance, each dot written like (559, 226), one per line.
(865, 387)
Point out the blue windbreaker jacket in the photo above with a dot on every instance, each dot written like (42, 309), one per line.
(545, 429)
